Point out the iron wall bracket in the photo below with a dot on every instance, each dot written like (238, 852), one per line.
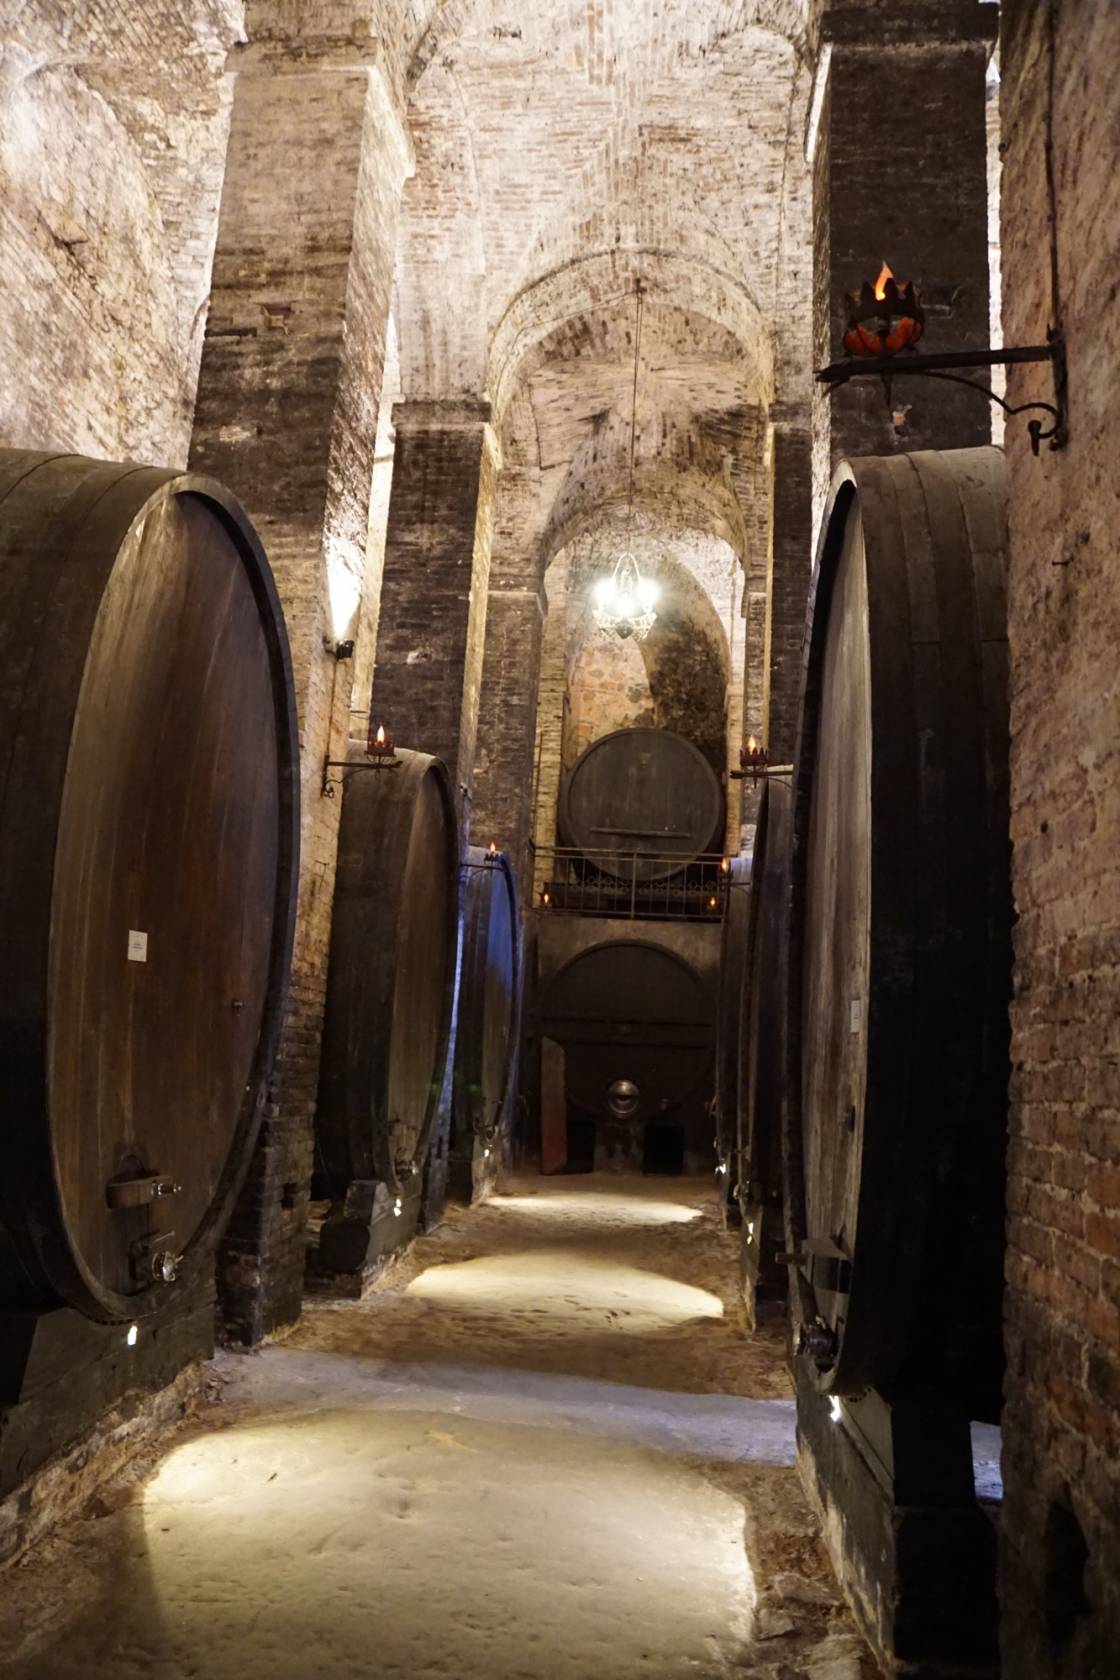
(939, 365)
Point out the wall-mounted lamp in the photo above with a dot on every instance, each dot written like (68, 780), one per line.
(380, 753)
(884, 318)
(885, 322)
(379, 746)
(753, 761)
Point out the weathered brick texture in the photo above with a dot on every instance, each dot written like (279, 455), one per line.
(900, 174)
(790, 563)
(287, 415)
(432, 624)
(112, 142)
(507, 724)
(1061, 1433)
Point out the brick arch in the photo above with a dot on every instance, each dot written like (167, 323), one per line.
(552, 307)
(786, 18)
(682, 481)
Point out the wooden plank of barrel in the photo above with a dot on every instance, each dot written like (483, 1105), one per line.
(762, 1042)
(487, 1025)
(390, 995)
(900, 959)
(732, 980)
(645, 792)
(148, 866)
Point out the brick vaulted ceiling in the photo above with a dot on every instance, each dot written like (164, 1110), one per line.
(566, 148)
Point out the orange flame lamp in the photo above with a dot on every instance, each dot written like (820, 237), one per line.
(380, 744)
(753, 758)
(884, 318)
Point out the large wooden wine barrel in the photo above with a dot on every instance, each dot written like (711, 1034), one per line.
(390, 996)
(148, 864)
(642, 791)
(487, 1024)
(762, 1045)
(900, 957)
(732, 980)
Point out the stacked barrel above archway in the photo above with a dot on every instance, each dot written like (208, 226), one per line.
(148, 857)
(641, 809)
(389, 1006)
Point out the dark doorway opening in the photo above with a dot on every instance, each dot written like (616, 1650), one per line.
(664, 1150)
(581, 1142)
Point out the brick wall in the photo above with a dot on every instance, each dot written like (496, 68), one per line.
(1061, 1557)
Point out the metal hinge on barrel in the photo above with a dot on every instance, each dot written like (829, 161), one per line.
(823, 1264)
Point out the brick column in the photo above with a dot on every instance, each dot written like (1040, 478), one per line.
(788, 573)
(507, 726)
(508, 720)
(432, 625)
(287, 416)
(897, 144)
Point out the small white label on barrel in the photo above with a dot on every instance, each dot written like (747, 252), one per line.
(137, 946)
(856, 1015)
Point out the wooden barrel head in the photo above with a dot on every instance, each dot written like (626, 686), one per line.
(642, 791)
(900, 961)
(489, 994)
(391, 979)
(487, 1022)
(837, 952)
(150, 887)
(762, 1043)
(630, 1012)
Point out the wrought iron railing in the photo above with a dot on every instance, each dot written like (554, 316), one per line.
(647, 885)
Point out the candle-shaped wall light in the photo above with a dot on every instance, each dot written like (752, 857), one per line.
(753, 758)
(380, 744)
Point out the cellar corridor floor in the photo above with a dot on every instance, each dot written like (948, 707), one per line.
(542, 1449)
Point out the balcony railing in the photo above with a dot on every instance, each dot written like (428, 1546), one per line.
(647, 885)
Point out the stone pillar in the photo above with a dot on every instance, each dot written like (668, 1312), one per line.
(432, 627)
(507, 727)
(508, 720)
(788, 574)
(897, 146)
(287, 416)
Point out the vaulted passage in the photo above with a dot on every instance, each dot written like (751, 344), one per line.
(542, 1448)
(559, 839)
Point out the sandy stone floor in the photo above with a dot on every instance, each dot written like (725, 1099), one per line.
(544, 1448)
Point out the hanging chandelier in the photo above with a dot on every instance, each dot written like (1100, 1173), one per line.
(623, 603)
